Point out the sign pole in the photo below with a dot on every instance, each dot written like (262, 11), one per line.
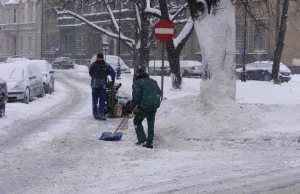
(164, 31)
(162, 69)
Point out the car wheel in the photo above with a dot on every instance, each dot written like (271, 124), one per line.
(43, 93)
(53, 87)
(2, 106)
(267, 77)
(185, 74)
(26, 96)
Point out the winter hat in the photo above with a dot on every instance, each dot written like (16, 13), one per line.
(140, 71)
(100, 56)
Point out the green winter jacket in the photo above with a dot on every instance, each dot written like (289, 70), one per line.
(146, 93)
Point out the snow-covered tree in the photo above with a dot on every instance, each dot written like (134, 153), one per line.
(214, 22)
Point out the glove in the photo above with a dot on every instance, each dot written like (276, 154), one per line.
(134, 111)
(113, 80)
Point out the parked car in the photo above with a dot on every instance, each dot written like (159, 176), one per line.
(262, 70)
(113, 61)
(155, 67)
(191, 68)
(24, 81)
(48, 75)
(63, 63)
(3, 97)
(15, 58)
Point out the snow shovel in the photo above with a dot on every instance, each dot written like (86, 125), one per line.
(115, 136)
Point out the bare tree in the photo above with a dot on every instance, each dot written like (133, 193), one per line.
(170, 12)
(280, 42)
(273, 11)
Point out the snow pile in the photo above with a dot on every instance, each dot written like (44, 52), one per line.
(186, 119)
(184, 123)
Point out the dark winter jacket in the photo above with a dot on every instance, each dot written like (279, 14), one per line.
(146, 93)
(99, 71)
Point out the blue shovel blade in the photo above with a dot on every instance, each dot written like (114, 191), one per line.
(109, 136)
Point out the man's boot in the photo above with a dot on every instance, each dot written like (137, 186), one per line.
(140, 142)
(148, 145)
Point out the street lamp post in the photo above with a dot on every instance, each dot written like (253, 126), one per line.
(243, 78)
(105, 47)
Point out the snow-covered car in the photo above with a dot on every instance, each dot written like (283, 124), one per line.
(48, 74)
(262, 70)
(3, 97)
(15, 58)
(112, 60)
(191, 68)
(155, 67)
(63, 63)
(24, 81)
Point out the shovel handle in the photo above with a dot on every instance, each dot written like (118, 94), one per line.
(120, 125)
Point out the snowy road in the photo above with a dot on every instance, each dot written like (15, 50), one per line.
(55, 150)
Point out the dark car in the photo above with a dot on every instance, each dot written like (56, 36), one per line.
(3, 97)
(63, 63)
(262, 70)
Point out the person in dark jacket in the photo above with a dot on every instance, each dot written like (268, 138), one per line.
(146, 96)
(99, 71)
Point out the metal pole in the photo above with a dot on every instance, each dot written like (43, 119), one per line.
(245, 44)
(162, 71)
(105, 54)
(154, 66)
(119, 45)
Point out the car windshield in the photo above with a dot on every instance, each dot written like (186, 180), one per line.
(11, 73)
(264, 65)
(63, 59)
(250, 66)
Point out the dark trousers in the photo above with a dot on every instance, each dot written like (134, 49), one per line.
(98, 97)
(141, 114)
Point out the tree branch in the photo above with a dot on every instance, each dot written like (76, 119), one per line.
(130, 41)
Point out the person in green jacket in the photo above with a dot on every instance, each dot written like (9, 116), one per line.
(146, 97)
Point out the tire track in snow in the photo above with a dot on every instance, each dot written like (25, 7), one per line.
(22, 129)
(19, 166)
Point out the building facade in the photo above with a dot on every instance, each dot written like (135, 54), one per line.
(20, 29)
(67, 36)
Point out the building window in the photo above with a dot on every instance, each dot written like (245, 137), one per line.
(21, 44)
(29, 43)
(97, 42)
(240, 31)
(15, 16)
(21, 16)
(2, 16)
(81, 43)
(2, 45)
(7, 44)
(30, 13)
(257, 38)
(68, 47)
